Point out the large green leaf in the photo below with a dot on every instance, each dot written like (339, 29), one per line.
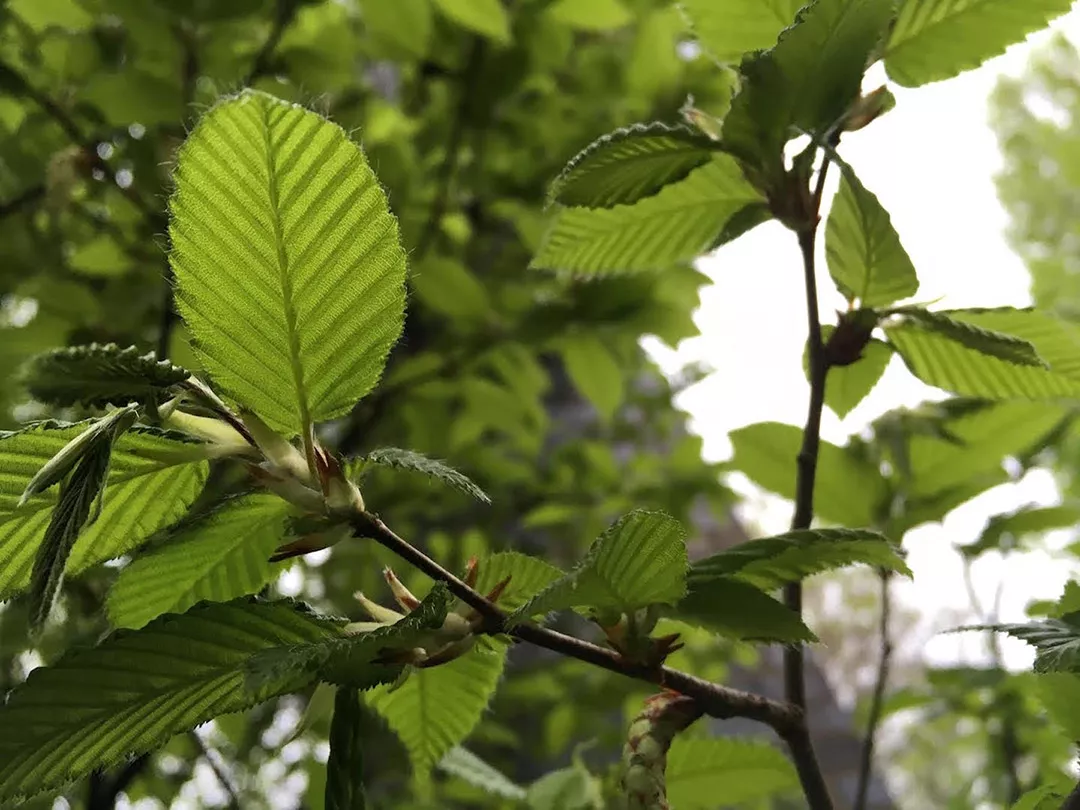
(847, 386)
(866, 259)
(740, 610)
(847, 490)
(938, 39)
(1056, 341)
(153, 476)
(1001, 345)
(528, 576)
(628, 164)
(640, 560)
(217, 557)
(289, 269)
(729, 29)
(437, 708)
(595, 371)
(770, 562)
(1056, 641)
(137, 688)
(702, 773)
(805, 83)
(1059, 693)
(99, 374)
(675, 225)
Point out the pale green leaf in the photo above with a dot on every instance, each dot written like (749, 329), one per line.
(485, 17)
(1004, 532)
(406, 24)
(770, 562)
(345, 766)
(137, 688)
(1056, 641)
(595, 372)
(572, 788)
(702, 773)
(847, 386)
(446, 286)
(805, 83)
(673, 226)
(99, 374)
(153, 477)
(640, 560)
(42, 14)
(436, 708)
(1046, 797)
(1056, 341)
(732, 28)
(938, 39)
(985, 341)
(848, 490)
(1059, 693)
(590, 15)
(100, 257)
(218, 556)
(739, 610)
(528, 576)
(630, 164)
(467, 766)
(289, 271)
(866, 259)
(433, 468)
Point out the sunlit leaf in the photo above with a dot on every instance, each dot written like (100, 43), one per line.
(728, 30)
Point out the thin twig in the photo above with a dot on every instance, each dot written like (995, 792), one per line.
(714, 699)
(877, 701)
(211, 760)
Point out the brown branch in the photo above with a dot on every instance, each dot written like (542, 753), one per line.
(718, 701)
(877, 702)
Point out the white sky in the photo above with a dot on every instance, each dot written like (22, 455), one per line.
(931, 162)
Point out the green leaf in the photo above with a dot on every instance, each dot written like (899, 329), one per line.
(465, 765)
(433, 468)
(590, 15)
(1056, 641)
(770, 562)
(805, 83)
(345, 767)
(289, 269)
(699, 771)
(849, 385)
(848, 490)
(985, 341)
(485, 17)
(938, 39)
(437, 708)
(673, 226)
(101, 257)
(630, 164)
(866, 259)
(405, 23)
(218, 556)
(153, 476)
(1056, 341)
(730, 29)
(572, 788)
(446, 286)
(1003, 532)
(1059, 693)
(77, 496)
(739, 610)
(1041, 798)
(640, 560)
(528, 576)
(595, 372)
(99, 374)
(136, 689)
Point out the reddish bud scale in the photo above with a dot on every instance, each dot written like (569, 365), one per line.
(647, 743)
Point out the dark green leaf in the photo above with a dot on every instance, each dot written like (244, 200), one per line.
(432, 468)
(100, 374)
(345, 767)
(739, 610)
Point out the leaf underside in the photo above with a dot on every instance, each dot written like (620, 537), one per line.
(99, 374)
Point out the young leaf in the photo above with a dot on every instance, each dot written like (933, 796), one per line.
(345, 767)
(739, 610)
(485, 17)
(1056, 641)
(1055, 341)
(848, 491)
(99, 374)
(629, 164)
(288, 266)
(216, 557)
(849, 385)
(673, 226)
(1059, 694)
(1044, 797)
(595, 371)
(699, 771)
(77, 496)
(1003, 532)
(770, 562)
(437, 707)
(590, 15)
(528, 576)
(985, 341)
(805, 83)
(866, 259)
(465, 765)
(153, 476)
(639, 561)
(730, 29)
(136, 689)
(432, 468)
(933, 40)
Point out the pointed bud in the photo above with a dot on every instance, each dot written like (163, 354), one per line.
(376, 611)
(222, 439)
(402, 595)
(278, 451)
(287, 487)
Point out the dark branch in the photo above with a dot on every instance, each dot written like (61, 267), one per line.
(713, 699)
(102, 792)
(877, 702)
